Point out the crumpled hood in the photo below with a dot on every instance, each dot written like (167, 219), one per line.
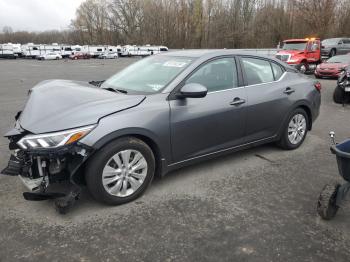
(56, 105)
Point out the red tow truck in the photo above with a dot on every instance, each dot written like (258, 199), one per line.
(303, 54)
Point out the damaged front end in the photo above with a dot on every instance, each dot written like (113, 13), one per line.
(49, 165)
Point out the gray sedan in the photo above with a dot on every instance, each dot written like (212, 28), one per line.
(335, 46)
(159, 114)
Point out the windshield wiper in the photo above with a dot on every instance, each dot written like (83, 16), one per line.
(96, 83)
(121, 91)
(116, 90)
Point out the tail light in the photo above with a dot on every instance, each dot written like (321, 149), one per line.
(318, 86)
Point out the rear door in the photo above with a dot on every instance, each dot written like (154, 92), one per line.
(346, 45)
(313, 51)
(269, 97)
(341, 48)
(216, 122)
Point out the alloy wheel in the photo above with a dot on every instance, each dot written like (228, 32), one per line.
(124, 173)
(296, 129)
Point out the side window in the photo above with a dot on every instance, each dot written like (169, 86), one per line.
(315, 45)
(216, 75)
(257, 71)
(277, 70)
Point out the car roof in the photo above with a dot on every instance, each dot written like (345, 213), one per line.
(205, 54)
(336, 38)
(197, 53)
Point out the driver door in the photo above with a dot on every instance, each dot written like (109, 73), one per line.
(216, 122)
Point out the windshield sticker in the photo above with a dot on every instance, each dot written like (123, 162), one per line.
(155, 87)
(175, 64)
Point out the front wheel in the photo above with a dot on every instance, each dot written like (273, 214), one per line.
(121, 171)
(326, 205)
(294, 132)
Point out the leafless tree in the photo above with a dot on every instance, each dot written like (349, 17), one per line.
(197, 23)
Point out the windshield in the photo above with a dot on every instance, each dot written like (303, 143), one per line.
(150, 75)
(333, 41)
(339, 59)
(294, 46)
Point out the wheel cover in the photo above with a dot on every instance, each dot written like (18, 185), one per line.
(296, 129)
(124, 173)
(302, 68)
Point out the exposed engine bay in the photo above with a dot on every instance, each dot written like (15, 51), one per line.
(43, 169)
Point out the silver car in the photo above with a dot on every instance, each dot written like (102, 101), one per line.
(109, 55)
(335, 46)
(157, 115)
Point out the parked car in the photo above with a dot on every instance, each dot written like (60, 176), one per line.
(303, 54)
(335, 46)
(341, 93)
(159, 114)
(49, 56)
(333, 66)
(109, 55)
(80, 55)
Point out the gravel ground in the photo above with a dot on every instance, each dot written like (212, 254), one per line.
(254, 205)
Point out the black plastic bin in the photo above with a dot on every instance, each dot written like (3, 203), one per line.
(342, 152)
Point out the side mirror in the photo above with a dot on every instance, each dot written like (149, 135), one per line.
(193, 90)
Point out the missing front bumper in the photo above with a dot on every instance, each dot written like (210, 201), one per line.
(15, 167)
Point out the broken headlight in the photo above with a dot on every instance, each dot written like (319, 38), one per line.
(53, 140)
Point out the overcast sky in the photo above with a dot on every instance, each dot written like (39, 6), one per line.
(37, 15)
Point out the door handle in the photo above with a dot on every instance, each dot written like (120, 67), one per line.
(237, 101)
(289, 91)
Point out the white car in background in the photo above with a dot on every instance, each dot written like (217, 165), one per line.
(109, 55)
(50, 56)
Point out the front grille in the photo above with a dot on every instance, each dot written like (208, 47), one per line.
(283, 58)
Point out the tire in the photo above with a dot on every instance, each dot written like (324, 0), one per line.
(101, 162)
(338, 95)
(303, 67)
(333, 52)
(285, 141)
(326, 205)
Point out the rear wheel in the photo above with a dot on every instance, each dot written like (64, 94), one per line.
(332, 53)
(295, 130)
(339, 95)
(121, 171)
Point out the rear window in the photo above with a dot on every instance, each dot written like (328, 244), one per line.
(258, 71)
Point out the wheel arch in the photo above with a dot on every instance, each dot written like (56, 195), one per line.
(144, 135)
(303, 105)
(309, 114)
